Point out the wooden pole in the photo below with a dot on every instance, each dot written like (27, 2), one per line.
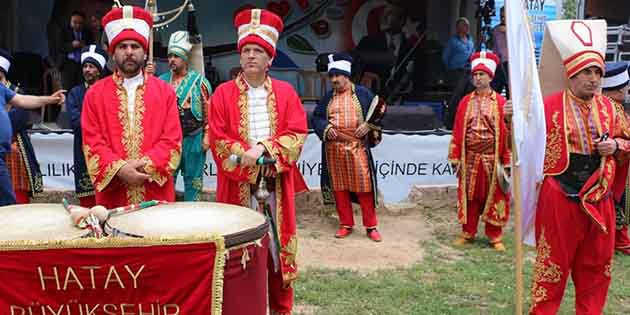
(516, 190)
(152, 10)
(518, 232)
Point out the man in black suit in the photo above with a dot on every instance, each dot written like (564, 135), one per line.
(383, 52)
(72, 40)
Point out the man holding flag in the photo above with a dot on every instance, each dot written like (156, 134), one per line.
(575, 216)
(615, 87)
(480, 150)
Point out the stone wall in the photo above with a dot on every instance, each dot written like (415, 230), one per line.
(421, 198)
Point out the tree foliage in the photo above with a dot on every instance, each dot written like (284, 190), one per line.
(569, 9)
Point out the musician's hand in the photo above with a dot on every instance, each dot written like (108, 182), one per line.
(76, 44)
(287, 283)
(607, 147)
(132, 173)
(331, 134)
(362, 130)
(508, 110)
(269, 171)
(250, 156)
(150, 68)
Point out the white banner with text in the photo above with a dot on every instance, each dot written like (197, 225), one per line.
(401, 161)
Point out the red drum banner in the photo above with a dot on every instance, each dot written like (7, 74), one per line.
(112, 277)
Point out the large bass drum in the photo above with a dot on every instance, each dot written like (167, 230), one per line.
(246, 240)
(37, 222)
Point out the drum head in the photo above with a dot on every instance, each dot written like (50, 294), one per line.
(37, 222)
(184, 219)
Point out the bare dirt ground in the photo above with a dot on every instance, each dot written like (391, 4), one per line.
(403, 236)
(401, 245)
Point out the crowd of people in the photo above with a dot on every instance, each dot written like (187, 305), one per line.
(135, 131)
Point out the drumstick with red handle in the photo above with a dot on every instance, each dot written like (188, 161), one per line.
(134, 207)
(85, 218)
(93, 218)
(114, 232)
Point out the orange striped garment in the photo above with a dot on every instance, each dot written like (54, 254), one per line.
(480, 139)
(347, 160)
(17, 169)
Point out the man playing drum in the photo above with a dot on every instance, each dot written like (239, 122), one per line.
(131, 132)
(255, 116)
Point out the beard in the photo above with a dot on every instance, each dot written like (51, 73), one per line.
(175, 68)
(129, 66)
(338, 86)
(90, 78)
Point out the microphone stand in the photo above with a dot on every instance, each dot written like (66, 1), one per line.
(390, 94)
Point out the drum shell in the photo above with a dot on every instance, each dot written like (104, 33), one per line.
(248, 259)
(245, 286)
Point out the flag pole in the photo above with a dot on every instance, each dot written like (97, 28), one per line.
(518, 232)
(516, 191)
(152, 9)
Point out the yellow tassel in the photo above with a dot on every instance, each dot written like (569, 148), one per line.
(245, 258)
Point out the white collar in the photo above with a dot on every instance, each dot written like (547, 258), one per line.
(136, 80)
(251, 87)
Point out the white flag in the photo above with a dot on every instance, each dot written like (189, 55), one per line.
(529, 115)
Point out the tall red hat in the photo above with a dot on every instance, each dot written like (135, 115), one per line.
(260, 27)
(127, 23)
(485, 61)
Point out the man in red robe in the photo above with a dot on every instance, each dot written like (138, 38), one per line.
(131, 131)
(575, 215)
(480, 151)
(615, 87)
(255, 116)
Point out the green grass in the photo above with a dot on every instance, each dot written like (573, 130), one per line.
(475, 280)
